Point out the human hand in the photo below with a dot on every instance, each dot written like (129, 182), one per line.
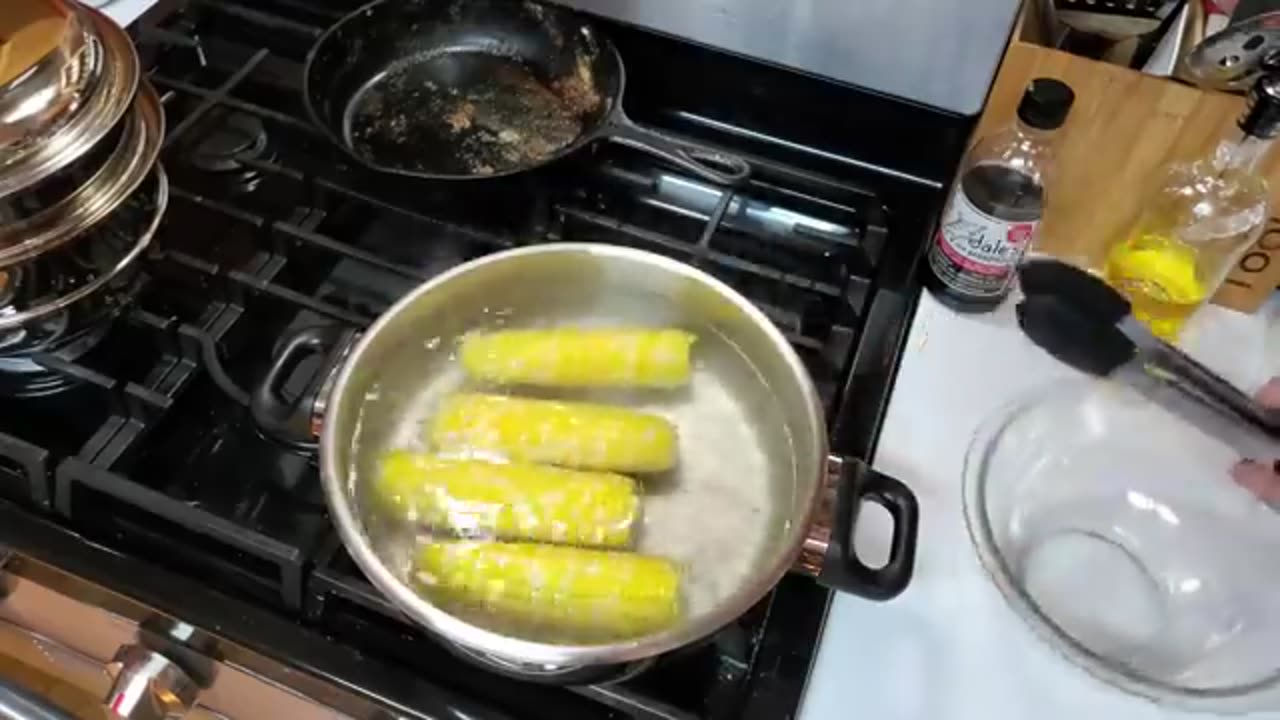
(1262, 477)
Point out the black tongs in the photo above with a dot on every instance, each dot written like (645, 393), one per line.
(1083, 322)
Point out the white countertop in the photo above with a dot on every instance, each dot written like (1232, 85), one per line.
(949, 648)
(122, 11)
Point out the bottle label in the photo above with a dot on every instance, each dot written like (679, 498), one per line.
(975, 253)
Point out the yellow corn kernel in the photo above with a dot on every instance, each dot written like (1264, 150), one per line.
(576, 593)
(576, 435)
(588, 358)
(510, 501)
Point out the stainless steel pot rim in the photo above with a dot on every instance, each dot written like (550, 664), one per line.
(161, 202)
(110, 98)
(123, 171)
(982, 536)
(40, 100)
(517, 650)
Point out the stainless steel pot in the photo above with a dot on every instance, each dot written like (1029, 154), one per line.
(818, 495)
(62, 207)
(48, 62)
(103, 79)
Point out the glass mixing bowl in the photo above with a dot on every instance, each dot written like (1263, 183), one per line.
(1113, 528)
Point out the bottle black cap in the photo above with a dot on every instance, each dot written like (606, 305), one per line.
(1261, 117)
(1045, 103)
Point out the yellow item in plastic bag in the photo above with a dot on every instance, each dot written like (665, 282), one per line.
(586, 358)
(510, 501)
(581, 594)
(576, 435)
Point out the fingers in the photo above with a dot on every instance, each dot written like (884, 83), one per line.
(1269, 394)
(1261, 479)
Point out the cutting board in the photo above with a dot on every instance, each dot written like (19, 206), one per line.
(1124, 127)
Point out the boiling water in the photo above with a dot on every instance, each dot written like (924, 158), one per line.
(724, 507)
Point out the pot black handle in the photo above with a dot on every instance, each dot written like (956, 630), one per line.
(291, 420)
(18, 703)
(721, 168)
(842, 569)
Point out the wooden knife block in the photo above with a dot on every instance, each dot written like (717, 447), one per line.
(1124, 127)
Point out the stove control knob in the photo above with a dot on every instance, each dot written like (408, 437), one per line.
(148, 686)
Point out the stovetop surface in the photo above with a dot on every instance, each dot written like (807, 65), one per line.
(154, 454)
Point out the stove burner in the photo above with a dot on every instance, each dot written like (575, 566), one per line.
(23, 376)
(12, 281)
(229, 148)
(35, 353)
(67, 335)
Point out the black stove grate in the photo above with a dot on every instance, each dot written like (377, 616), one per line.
(270, 229)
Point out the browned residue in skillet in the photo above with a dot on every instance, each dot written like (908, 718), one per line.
(511, 121)
(578, 90)
(461, 118)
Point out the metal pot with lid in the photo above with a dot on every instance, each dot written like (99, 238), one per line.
(68, 75)
(57, 210)
(754, 493)
(47, 62)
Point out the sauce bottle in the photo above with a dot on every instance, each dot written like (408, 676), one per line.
(995, 207)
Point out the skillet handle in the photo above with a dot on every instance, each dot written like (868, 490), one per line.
(294, 420)
(836, 563)
(721, 168)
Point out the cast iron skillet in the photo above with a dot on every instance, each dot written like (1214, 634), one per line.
(461, 89)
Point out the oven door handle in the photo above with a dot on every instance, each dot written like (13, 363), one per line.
(18, 703)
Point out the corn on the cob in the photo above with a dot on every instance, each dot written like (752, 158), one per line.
(575, 435)
(576, 593)
(511, 501)
(580, 357)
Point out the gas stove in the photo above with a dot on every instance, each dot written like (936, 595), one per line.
(145, 478)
